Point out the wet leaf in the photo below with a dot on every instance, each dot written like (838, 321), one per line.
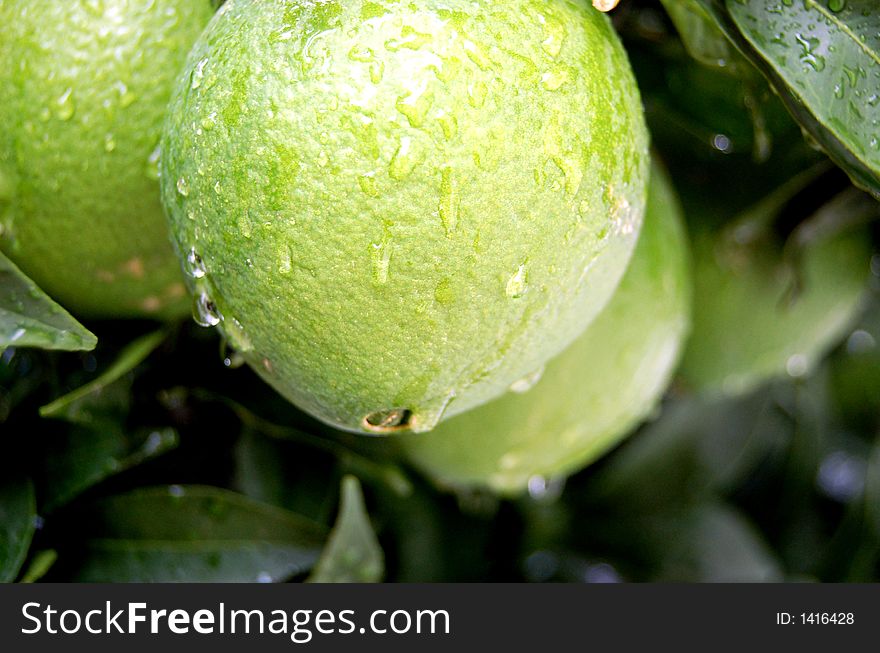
(83, 457)
(352, 554)
(195, 534)
(17, 522)
(824, 64)
(29, 318)
(86, 404)
(704, 41)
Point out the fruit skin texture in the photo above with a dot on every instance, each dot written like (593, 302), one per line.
(592, 394)
(404, 205)
(745, 331)
(83, 91)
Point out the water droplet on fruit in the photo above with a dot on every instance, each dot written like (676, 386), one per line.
(518, 282)
(367, 184)
(152, 168)
(235, 335)
(544, 489)
(404, 160)
(198, 74)
(182, 187)
(477, 55)
(377, 71)
(477, 94)
(416, 104)
(323, 159)
(126, 97)
(195, 266)
(409, 39)
(555, 79)
(209, 121)
(205, 312)
(381, 255)
(836, 5)
(64, 105)
(109, 143)
(527, 382)
(285, 262)
(448, 124)
(234, 360)
(554, 35)
(797, 365)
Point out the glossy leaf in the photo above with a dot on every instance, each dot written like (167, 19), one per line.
(824, 64)
(195, 533)
(701, 36)
(29, 318)
(17, 517)
(79, 406)
(83, 457)
(352, 554)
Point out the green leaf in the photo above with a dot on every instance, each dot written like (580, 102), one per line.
(352, 554)
(698, 447)
(195, 534)
(29, 318)
(344, 446)
(17, 515)
(40, 565)
(872, 492)
(713, 543)
(79, 406)
(702, 38)
(83, 457)
(825, 66)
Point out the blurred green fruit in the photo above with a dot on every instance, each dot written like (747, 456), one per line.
(747, 328)
(83, 91)
(595, 392)
(395, 210)
(855, 370)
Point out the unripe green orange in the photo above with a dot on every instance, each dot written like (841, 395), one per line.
(83, 91)
(395, 210)
(591, 395)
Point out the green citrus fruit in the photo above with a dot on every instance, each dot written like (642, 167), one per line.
(397, 209)
(749, 327)
(855, 370)
(595, 392)
(84, 88)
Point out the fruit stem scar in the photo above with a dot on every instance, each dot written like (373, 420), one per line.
(387, 421)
